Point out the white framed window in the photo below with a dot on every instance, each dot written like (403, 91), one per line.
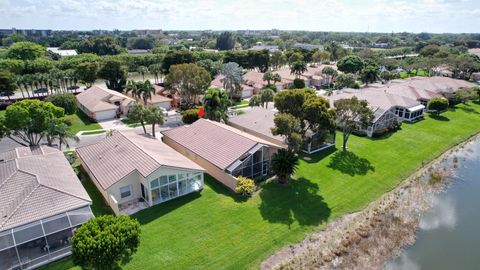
(125, 192)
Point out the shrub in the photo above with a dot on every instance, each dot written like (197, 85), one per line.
(245, 186)
(396, 125)
(190, 116)
(67, 122)
(66, 101)
(461, 96)
(105, 242)
(298, 83)
(438, 104)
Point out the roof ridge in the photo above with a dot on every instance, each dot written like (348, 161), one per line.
(19, 205)
(229, 129)
(140, 148)
(65, 192)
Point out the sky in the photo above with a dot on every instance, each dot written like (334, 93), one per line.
(435, 16)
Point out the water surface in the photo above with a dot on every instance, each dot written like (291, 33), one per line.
(449, 233)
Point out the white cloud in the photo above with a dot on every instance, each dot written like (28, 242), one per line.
(339, 15)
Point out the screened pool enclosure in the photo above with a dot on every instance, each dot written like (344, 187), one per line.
(40, 242)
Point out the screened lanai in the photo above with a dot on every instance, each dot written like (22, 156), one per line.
(254, 164)
(37, 243)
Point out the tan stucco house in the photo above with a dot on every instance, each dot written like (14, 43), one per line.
(103, 104)
(134, 171)
(225, 152)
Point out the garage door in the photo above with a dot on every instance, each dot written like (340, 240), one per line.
(105, 115)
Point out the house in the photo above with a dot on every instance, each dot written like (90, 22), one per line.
(270, 48)
(382, 45)
(103, 104)
(158, 98)
(134, 171)
(258, 121)
(313, 76)
(42, 203)
(225, 152)
(388, 108)
(252, 83)
(62, 52)
(307, 46)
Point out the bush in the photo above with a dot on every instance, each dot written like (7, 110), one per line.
(396, 125)
(105, 242)
(298, 83)
(438, 104)
(190, 116)
(461, 96)
(245, 186)
(67, 122)
(66, 101)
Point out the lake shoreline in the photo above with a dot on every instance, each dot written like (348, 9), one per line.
(378, 233)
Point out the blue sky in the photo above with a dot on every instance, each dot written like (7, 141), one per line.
(316, 15)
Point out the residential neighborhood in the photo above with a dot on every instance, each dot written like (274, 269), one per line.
(149, 143)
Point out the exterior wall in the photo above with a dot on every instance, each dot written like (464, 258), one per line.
(247, 93)
(258, 134)
(133, 180)
(220, 175)
(165, 104)
(105, 115)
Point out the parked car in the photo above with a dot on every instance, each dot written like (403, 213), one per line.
(41, 90)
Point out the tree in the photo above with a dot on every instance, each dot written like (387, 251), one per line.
(225, 41)
(143, 70)
(175, 58)
(27, 120)
(66, 101)
(115, 74)
(284, 163)
(350, 64)
(298, 83)
(345, 81)
(295, 57)
(138, 114)
(190, 116)
(87, 72)
(100, 45)
(245, 186)
(232, 79)
(7, 84)
(320, 56)
(57, 130)
(156, 71)
(254, 101)
(302, 112)
(298, 68)
(266, 95)
(330, 72)
(270, 77)
(370, 73)
(278, 59)
(154, 117)
(140, 90)
(105, 242)
(352, 114)
(189, 81)
(438, 105)
(25, 51)
(216, 105)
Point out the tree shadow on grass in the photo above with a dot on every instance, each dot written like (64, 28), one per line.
(316, 157)
(439, 117)
(349, 163)
(298, 201)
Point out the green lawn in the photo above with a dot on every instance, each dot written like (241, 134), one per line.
(80, 121)
(421, 72)
(216, 230)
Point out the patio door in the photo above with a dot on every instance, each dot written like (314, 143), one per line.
(144, 192)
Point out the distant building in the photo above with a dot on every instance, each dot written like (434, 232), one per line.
(62, 52)
(149, 32)
(270, 48)
(307, 46)
(27, 32)
(381, 45)
(138, 51)
(346, 46)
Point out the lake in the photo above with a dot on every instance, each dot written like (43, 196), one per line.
(449, 232)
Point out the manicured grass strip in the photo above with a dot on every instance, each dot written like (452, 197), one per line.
(80, 121)
(94, 132)
(214, 229)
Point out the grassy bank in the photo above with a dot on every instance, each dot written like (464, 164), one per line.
(216, 230)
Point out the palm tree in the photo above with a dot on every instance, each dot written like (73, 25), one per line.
(19, 83)
(284, 163)
(156, 70)
(298, 68)
(133, 87)
(138, 114)
(268, 76)
(142, 70)
(330, 73)
(146, 91)
(216, 105)
(59, 131)
(154, 117)
(232, 78)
